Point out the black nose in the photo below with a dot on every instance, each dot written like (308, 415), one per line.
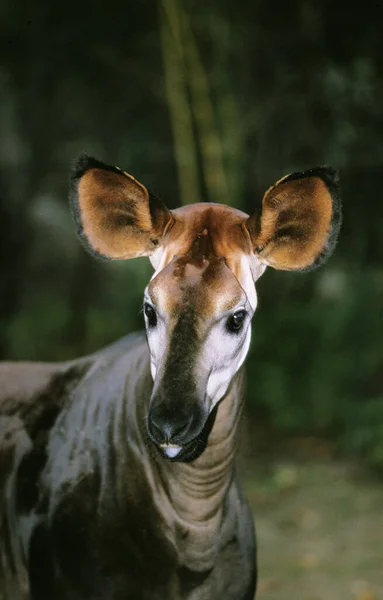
(167, 426)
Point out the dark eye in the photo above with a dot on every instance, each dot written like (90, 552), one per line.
(150, 314)
(235, 322)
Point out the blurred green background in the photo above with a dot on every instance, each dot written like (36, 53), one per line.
(203, 102)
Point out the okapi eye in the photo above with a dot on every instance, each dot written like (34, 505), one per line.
(150, 314)
(236, 321)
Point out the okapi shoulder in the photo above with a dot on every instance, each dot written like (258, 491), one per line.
(28, 388)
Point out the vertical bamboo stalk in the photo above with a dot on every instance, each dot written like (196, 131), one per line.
(231, 120)
(179, 107)
(204, 114)
(233, 144)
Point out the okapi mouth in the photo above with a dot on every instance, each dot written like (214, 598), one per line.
(191, 450)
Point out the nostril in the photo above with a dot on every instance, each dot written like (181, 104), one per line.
(155, 431)
(166, 429)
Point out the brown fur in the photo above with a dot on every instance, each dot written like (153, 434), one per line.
(116, 216)
(295, 223)
(209, 287)
(121, 219)
(201, 254)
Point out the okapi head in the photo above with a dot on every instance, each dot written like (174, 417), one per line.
(207, 257)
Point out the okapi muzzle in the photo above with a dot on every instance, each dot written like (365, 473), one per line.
(178, 408)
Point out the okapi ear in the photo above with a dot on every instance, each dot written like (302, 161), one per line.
(298, 225)
(116, 216)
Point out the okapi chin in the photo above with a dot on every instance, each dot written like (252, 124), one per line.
(117, 472)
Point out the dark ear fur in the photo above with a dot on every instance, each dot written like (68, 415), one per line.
(115, 215)
(299, 223)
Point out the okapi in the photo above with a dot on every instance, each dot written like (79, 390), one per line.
(118, 469)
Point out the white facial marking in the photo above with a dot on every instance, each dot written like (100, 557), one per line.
(158, 259)
(155, 336)
(230, 351)
(171, 450)
(153, 370)
(251, 270)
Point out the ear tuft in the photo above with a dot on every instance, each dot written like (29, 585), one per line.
(300, 220)
(116, 216)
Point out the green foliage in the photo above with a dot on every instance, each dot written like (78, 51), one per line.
(316, 358)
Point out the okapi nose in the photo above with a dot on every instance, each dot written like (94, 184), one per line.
(166, 427)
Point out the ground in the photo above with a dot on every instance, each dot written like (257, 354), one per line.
(319, 526)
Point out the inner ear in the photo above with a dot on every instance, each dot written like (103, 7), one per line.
(116, 216)
(298, 225)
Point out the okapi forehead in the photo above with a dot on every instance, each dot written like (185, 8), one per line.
(225, 228)
(208, 286)
(201, 230)
(201, 259)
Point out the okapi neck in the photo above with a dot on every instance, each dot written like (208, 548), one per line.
(196, 491)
